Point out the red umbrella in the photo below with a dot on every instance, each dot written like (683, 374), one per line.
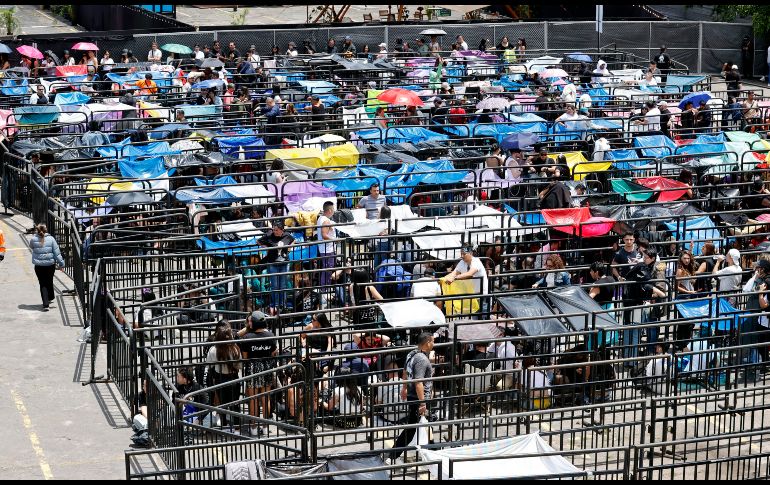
(400, 97)
(665, 186)
(29, 51)
(578, 222)
(84, 46)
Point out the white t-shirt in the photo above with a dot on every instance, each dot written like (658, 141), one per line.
(326, 248)
(344, 405)
(70, 62)
(154, 54)
(390, 395)
(255, 60)
(200, 55)
(506, 352)
(729, 278)
(569, 94)
(425, 289)
(480, 283)
(538, 380)
(653, 119)
(464, 47)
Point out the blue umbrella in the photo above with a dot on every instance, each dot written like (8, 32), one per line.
(4, 49)
(519, 141)
(208, 84)
(579, 56)
(695, 98)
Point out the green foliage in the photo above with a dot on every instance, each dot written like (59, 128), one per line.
(65, 11)
(760, 15)
(9, 20)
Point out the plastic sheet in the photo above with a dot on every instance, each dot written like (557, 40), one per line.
(626, 187)
(710, 309)
(580, 166)
(541, 320)
(412, 313)
(655, 146)
(578, 221)
(665, 185)
(573, 299)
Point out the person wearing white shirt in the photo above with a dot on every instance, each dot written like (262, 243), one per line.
(471, 268)
(383, 51)
(652, 117)
(68, 60)
(325, 231)
(107, 62)
(464, 45)
(729, 277)
(199, 54)
(155, 55)
(506, 353)
(426, 287)
(253, 57)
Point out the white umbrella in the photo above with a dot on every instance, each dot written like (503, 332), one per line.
(327, 138)
(432, 32)
(541, 63)
(493, 103)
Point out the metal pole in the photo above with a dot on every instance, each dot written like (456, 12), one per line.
(545, 36)
(700, 46)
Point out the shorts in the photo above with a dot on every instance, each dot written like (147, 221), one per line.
(256, 367)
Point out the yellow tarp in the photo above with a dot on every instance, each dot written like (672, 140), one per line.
(309, 157)
(463, 305)
(336, 156)
(580, 166)
(341, 155)
(104, 185)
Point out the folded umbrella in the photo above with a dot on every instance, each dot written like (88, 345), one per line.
(176, 48)
(29, 51)
(695, 98)
(494, 103)
(85, 46)
(124, 199)
(400, 97)
(519, 141)
(54, 57)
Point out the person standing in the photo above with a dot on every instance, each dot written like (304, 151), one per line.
(46, 256)
(2, 246)
(417, 368)
(154, 55)
(373, 202)
(277, 258)
(664, 64)
(260, 358)
(325, 231)
(223, 366)
(747, 57)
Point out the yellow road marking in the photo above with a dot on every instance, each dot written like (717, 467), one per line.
(44, 466)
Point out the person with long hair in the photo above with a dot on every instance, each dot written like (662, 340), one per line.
(685, 275)
(346, 399)
(224, 359)
(362, 292)
(553, 262)
(46, 256)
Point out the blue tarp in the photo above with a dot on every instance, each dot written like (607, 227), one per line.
(71, 98)
(681, 84)
(142, 169)
(655, 146)
(413, 135)
(249, 246)
(12, 87)
(606, 124)
(599, 96)
(209, 194)
(253, 147)
(700, 148)
(700, 309)
(701, 229)
(36, 114)
(500, 131)
(161, 79)
(126, 150)
(226, 180)
(624, 159)
(318, 87)
(167, 130)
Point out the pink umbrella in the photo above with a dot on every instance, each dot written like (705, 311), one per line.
(549, 73)
(84, 46)
(29, 51)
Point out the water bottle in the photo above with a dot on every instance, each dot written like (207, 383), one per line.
(241, 153)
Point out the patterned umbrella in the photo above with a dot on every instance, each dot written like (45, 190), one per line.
(29, 51)
(493, 103)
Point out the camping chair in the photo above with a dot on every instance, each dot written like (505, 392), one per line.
(384, 15)
(368, 17)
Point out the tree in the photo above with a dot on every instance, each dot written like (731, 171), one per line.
(8, 17)
(760, 15)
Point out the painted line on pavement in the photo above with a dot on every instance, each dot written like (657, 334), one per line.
(44, 466)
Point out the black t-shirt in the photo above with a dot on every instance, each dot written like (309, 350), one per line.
(755, 200)
(623, 257)
(318, 113)
(259, 349)
(272, 241)
(663, 60)
(308, 303)
(605, 292)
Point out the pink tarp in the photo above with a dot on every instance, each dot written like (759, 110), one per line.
(6, 119)
(64, 71)
(578, 222)
(665, 186)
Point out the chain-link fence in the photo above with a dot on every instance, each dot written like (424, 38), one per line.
(702, 46)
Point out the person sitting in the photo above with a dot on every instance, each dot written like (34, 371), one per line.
(39, 96)
(347, 400)
(555, 196)
(552, 279)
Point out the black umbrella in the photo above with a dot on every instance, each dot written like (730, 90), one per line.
(470, 330)
(124, 199)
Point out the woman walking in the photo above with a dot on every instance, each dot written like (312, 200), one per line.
(46, 256)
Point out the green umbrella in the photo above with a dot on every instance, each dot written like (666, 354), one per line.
(176, 48)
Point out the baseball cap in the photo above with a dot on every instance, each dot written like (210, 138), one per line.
(383, 44)
(735, 66)
(764, 265)
(543, 150)
(257, 316)
(662, 103)
(735, 255)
